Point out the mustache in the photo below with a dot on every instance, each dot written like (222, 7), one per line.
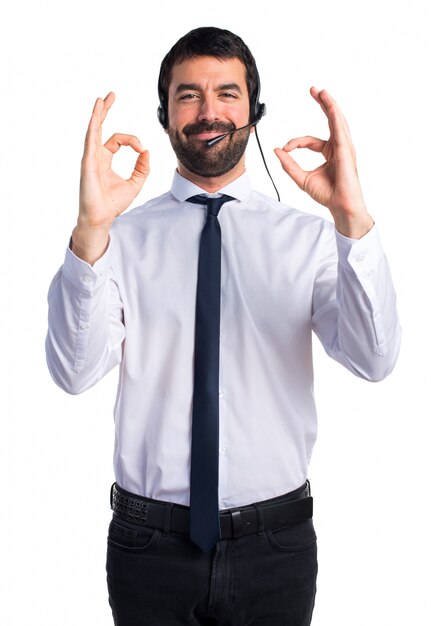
(204, 127)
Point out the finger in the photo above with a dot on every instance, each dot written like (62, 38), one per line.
(312, 143)
(291, 167)
(92, 135)
(333, 108)
(100, 111)
(141, 170)
(336, 120)
(107, 104)
(115, 142)
(325, 100)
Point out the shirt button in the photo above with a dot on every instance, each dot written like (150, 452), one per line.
(223, 450)
(86, 279)
(84, 325)
(220, 394)
(360, 258)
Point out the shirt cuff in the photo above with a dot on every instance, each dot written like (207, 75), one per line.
(362, 255)
(84, 276)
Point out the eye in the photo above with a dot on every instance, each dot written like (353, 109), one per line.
(188, 96)
(228, 94)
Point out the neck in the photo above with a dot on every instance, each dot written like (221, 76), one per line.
(211, 185)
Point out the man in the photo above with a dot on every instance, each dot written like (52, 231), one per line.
(234, 377)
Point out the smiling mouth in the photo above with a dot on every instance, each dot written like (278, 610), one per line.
(203, 132)
(203, 136)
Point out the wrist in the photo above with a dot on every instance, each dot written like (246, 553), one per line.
(354, 226)
(89, 243)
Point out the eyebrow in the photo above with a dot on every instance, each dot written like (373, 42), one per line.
(195, 87)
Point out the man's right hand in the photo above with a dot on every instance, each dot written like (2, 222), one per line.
(103, 194)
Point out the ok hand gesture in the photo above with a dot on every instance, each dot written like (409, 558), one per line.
(103, 194)
(335, 183)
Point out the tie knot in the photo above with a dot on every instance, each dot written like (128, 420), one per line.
(214, 204)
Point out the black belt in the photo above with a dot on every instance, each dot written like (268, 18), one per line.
(292, 508)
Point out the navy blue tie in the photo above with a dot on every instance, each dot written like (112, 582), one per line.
(204, 505)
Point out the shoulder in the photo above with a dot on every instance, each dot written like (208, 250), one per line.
(160, 203)
(287, 216)
(140, 215)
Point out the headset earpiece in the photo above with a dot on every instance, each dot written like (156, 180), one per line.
(260, 111)
(162, 112)
(257, 109)
(162, 109)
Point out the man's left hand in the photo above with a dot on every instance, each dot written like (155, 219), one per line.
(335, 183)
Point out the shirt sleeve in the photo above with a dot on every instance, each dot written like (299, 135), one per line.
(354, 306)
(85, 323)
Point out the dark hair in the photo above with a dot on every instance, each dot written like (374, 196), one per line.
(206, 41)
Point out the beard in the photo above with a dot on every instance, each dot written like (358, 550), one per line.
(209, 161)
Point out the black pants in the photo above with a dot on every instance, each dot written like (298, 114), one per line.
(266, 579)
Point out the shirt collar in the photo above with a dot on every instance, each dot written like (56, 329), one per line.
(182, 188)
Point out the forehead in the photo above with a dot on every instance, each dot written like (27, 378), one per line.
(208, 72)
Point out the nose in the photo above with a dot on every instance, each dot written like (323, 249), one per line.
(208, 109)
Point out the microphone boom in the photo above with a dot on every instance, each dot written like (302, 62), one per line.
(214, 140)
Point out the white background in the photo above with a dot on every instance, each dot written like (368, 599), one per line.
(370, 471)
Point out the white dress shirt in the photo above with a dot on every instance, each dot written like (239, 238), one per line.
(284, 275)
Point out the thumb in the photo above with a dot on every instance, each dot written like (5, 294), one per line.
(141, 169)
(291, 167)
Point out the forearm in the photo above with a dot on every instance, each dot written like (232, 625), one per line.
(359, 325)
(85, 328)
(89, 243)
(354, 225)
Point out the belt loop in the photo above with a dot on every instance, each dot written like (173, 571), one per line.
(309, 487)
(167, 519)
(259, 517)
(111, 495)
(236, 524)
